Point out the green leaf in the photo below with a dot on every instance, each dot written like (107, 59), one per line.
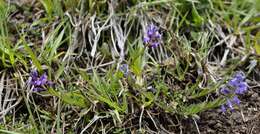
(257, 5)
(200, 107)
(48, 5)
(138, 61)
(111, 104)
(74, 98)
(53, 92)
(33, 57)
(8, 132)
(56, 43)
(148, 98)
(204, 92)
(257, 43)
(60, 71)
(197, 19)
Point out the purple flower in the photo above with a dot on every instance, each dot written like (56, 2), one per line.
(240, 76)
(237, 79)
(146, 40)
(152, 36)
(236, 100)
(157, 35)
(238, 83)
(229, 104)
(42, 80)
(225, 91)
(39, 82)
(155, 44)
(233, 82)
(241, 88)
(124, 69)
(223, 108)
(236, 86)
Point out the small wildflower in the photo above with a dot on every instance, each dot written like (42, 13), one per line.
(236, 100)
(225, 91)
(229, 104)
(39, 82)
(124, 69)
(155, 44)
(223, 108)
(146, 40)
(240, 76)
(152, 36)
(233, 82)
(241, 88)
(237, 79)
(235, 86)
(238, 82)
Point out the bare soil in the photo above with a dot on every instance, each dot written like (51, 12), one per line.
(245, 120)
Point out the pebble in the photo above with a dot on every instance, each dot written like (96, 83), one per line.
(255, 96)
(237, 117)
(210, 131)
(218, 125)
(229, 122)
(212, 122)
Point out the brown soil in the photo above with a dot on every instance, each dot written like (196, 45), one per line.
(245, 120)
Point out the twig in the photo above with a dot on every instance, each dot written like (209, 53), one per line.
(95, 118)
(152, 119)
(197, 127)
(140, 119)
(96, 67)
(10, 108)
(252, 129)
(232, 41)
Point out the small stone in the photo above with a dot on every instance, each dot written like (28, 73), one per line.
(218, 125)
(210, 131)
(212, 122)
(255, 96)
(237, 117)
(229, 122)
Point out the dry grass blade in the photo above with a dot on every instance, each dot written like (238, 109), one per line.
(8, 101)
(120, 34)
(1, 89)
(95, 33)
(95, 118)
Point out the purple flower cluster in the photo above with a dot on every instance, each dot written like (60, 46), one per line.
(236, 86)
(152, 36)
(39, 82)
(238, 82)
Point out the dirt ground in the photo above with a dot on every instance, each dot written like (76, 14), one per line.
(245, 120)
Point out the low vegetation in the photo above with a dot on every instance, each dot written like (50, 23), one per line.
(124, 66)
